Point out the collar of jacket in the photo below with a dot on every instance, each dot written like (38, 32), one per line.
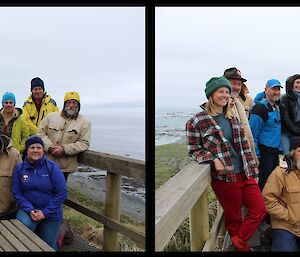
(46, 98)
(17, 112)
(242, 96)
(36, 164)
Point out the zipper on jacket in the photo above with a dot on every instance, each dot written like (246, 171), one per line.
(37, 120)
(43, 114)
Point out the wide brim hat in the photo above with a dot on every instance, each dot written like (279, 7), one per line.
(234, 73)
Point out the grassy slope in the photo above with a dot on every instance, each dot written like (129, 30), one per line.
(169, 159)
(93, 230)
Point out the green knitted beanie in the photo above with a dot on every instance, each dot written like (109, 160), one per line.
(215, 83)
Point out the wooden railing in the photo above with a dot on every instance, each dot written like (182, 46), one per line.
(116, 167)
(182, 196)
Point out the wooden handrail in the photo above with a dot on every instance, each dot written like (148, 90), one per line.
(105, 220)
(181, 196)
(124, 166)
(116, 166)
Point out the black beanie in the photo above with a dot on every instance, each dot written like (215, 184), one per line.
(37, 82)
(33, 140)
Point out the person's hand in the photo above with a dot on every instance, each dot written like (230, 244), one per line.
(37, 215)
(57, 151)
(32, 215)
(219, 166)
(40, 215)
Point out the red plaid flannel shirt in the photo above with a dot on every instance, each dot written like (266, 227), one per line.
(206, 142)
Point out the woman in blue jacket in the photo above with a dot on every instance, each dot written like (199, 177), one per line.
(40, 189)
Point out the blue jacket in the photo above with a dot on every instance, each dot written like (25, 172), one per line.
(265, 126)
(42, 187)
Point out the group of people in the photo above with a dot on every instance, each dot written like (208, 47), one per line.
(253, 148)
(39, 145)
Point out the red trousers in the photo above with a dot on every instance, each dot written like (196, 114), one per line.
(232, 196)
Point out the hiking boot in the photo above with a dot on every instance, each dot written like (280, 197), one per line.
(240, 244)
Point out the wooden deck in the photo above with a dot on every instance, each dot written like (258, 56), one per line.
(16, 237)
(79, 245)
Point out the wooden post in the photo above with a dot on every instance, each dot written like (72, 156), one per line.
(199, 223)
(112, 210)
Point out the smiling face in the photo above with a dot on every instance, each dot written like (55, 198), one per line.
(272, 94)
(8, 106)
(37, 93)
(35, 152)
(221, 96)
(296, 85)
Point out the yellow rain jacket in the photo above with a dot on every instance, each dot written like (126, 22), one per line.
(31, 115)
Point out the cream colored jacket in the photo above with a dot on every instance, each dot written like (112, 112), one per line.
(73, 134)
(240, 113)
(282, 198)
(8, 160)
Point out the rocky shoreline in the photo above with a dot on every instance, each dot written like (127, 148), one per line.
(92, 182)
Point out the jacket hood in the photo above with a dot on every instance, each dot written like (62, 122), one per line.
(6, 143)
(259, 97)
(289, 84)
(244, 89)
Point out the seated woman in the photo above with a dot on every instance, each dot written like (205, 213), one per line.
(40, 189)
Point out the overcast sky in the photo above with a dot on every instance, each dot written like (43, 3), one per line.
(97, 51)
(193, 44)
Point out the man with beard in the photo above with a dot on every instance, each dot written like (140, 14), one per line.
(236, 80)
(282, 198)
(266, 129)
(66, 134)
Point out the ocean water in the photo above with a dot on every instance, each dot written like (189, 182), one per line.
(119, 131)
(170, 124)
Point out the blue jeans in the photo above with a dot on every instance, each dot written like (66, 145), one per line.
(285, 142)
(47, 230)
(283, 241)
